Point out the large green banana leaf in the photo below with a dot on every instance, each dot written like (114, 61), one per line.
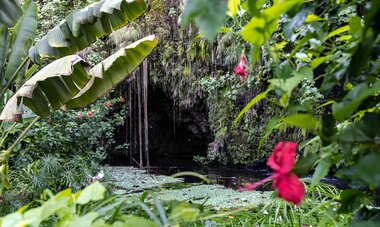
(60, 81)
(112, 71)
(10, 12)
(4, 39)
(84, 26)
(22, 37)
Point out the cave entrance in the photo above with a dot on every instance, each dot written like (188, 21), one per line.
(174, 137)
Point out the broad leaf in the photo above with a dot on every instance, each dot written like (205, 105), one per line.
(131, 221)
(306, 121)
(112, 71)
(94, 192)
(287, 85)
(84, 26)
(264, 24)
(345, 108)
(304, 165)
(10, 12)
(208, 15)
(4, 39)
(67, 78)
(253, 6)
(233, 7)
(56, 84)
(321, 171)
(22, 36)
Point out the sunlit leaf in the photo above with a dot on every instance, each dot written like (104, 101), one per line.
(306, 121)
(233, 7)
(94, 192)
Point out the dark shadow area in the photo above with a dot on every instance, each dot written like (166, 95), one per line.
(174, 138)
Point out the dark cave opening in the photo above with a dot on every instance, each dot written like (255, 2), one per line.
(174, 138)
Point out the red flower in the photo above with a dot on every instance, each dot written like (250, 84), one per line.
(240, 68)
(282, 161)
(109, 104)
(122, 100)
(80, 116)
(89, 114)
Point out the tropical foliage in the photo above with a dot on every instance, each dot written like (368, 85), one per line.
(265, 72)
(67, 81)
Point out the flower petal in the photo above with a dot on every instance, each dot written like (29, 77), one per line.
(282, 159)
(290, 188)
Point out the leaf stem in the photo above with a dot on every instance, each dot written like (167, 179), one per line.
(14, 76)
(23, 134)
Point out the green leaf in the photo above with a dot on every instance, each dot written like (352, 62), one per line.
(112, 71)
(360, 58)
(56, 84)
(233, 7)
(306, 121)
(304, 165)
(321, 171)
(351, 199)
(21, 38)
(298, 20)
(10, 12)
(85, 220)
(345, 108)
(317, 62)
(253, 6)
(338, 31)
(83, 27)
(255, 100)
(66, 81)
(94, 192)
(208, 15)
(132, 221)
(287, 85)
(4, 40)
(356, 28)
(369, 169)
(184, 213)
(263, 25)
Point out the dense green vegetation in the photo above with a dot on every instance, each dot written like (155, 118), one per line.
(311, 76)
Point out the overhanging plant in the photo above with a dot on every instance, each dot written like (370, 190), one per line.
(67, 82)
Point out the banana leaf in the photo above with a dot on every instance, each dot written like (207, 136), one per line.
(113, 70)
(4, 39)
(10, 12)
(69, 77)
(83, 27)
(56, 83)
(22, 37)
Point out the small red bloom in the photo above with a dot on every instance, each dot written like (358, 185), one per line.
(282, 161)
(122, 100)
(240, 68)
(109, 104)
(89, 114)
(80, 116)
